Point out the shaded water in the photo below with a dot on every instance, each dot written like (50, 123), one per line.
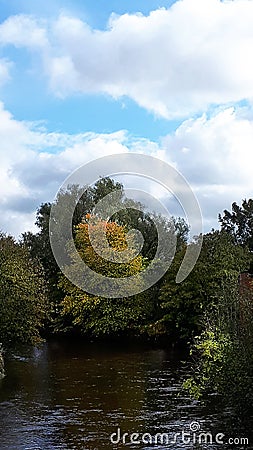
(69, 395)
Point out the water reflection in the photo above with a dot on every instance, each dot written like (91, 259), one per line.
(70, 395)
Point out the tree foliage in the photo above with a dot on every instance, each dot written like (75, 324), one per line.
(95, 314)
(223, 351)
(183, 304)
(239, 223)
(131, 214)
(82, 200)
(23, 294)
(210, 303)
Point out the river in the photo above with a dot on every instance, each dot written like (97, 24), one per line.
(75, 395)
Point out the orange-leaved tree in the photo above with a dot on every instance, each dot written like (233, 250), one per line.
(100, 244)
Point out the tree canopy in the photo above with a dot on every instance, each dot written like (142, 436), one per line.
(23, 294)
(239, 223)
(97, 314)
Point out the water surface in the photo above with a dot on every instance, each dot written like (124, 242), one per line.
(74, 395)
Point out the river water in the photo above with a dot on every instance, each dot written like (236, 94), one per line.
(76, 395)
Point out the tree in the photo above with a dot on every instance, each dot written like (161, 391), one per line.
(182, 305)
(130, 214)
(99, 315)
(23, 294)
(239, 223)
(148, 223)
(224, 350)
(39, 244)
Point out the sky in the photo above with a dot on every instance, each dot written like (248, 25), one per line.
(81, 79)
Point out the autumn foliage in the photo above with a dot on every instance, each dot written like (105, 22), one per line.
(100, 315)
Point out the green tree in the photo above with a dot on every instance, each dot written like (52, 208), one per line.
(182, 305)
(39, 244)
(223, 352)
(131, 214)
(23, 294)
(239, 223)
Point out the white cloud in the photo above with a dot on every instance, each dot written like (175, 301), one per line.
(173, 62)
(23, 31)
(5, 67)
(217, 164)
(219, 158)
(221, 146)
(34, 163)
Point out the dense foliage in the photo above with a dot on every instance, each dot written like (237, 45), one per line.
(213, 307)
(100, 315)
(130, 215)
(23, 294)
(239, 223)
(224, 349)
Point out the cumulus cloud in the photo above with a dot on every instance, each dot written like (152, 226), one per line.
(220, 145)
(213, 153)
(23, 31)
(34, 163)
(174, 62)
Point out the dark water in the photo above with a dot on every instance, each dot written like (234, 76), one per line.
(69, 395)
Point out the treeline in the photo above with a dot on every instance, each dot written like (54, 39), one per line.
(223, 351)
(69, 310)
(37, 300)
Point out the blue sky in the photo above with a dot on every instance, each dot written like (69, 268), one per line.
(95, 13)
(81, 79)
(29, 98)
